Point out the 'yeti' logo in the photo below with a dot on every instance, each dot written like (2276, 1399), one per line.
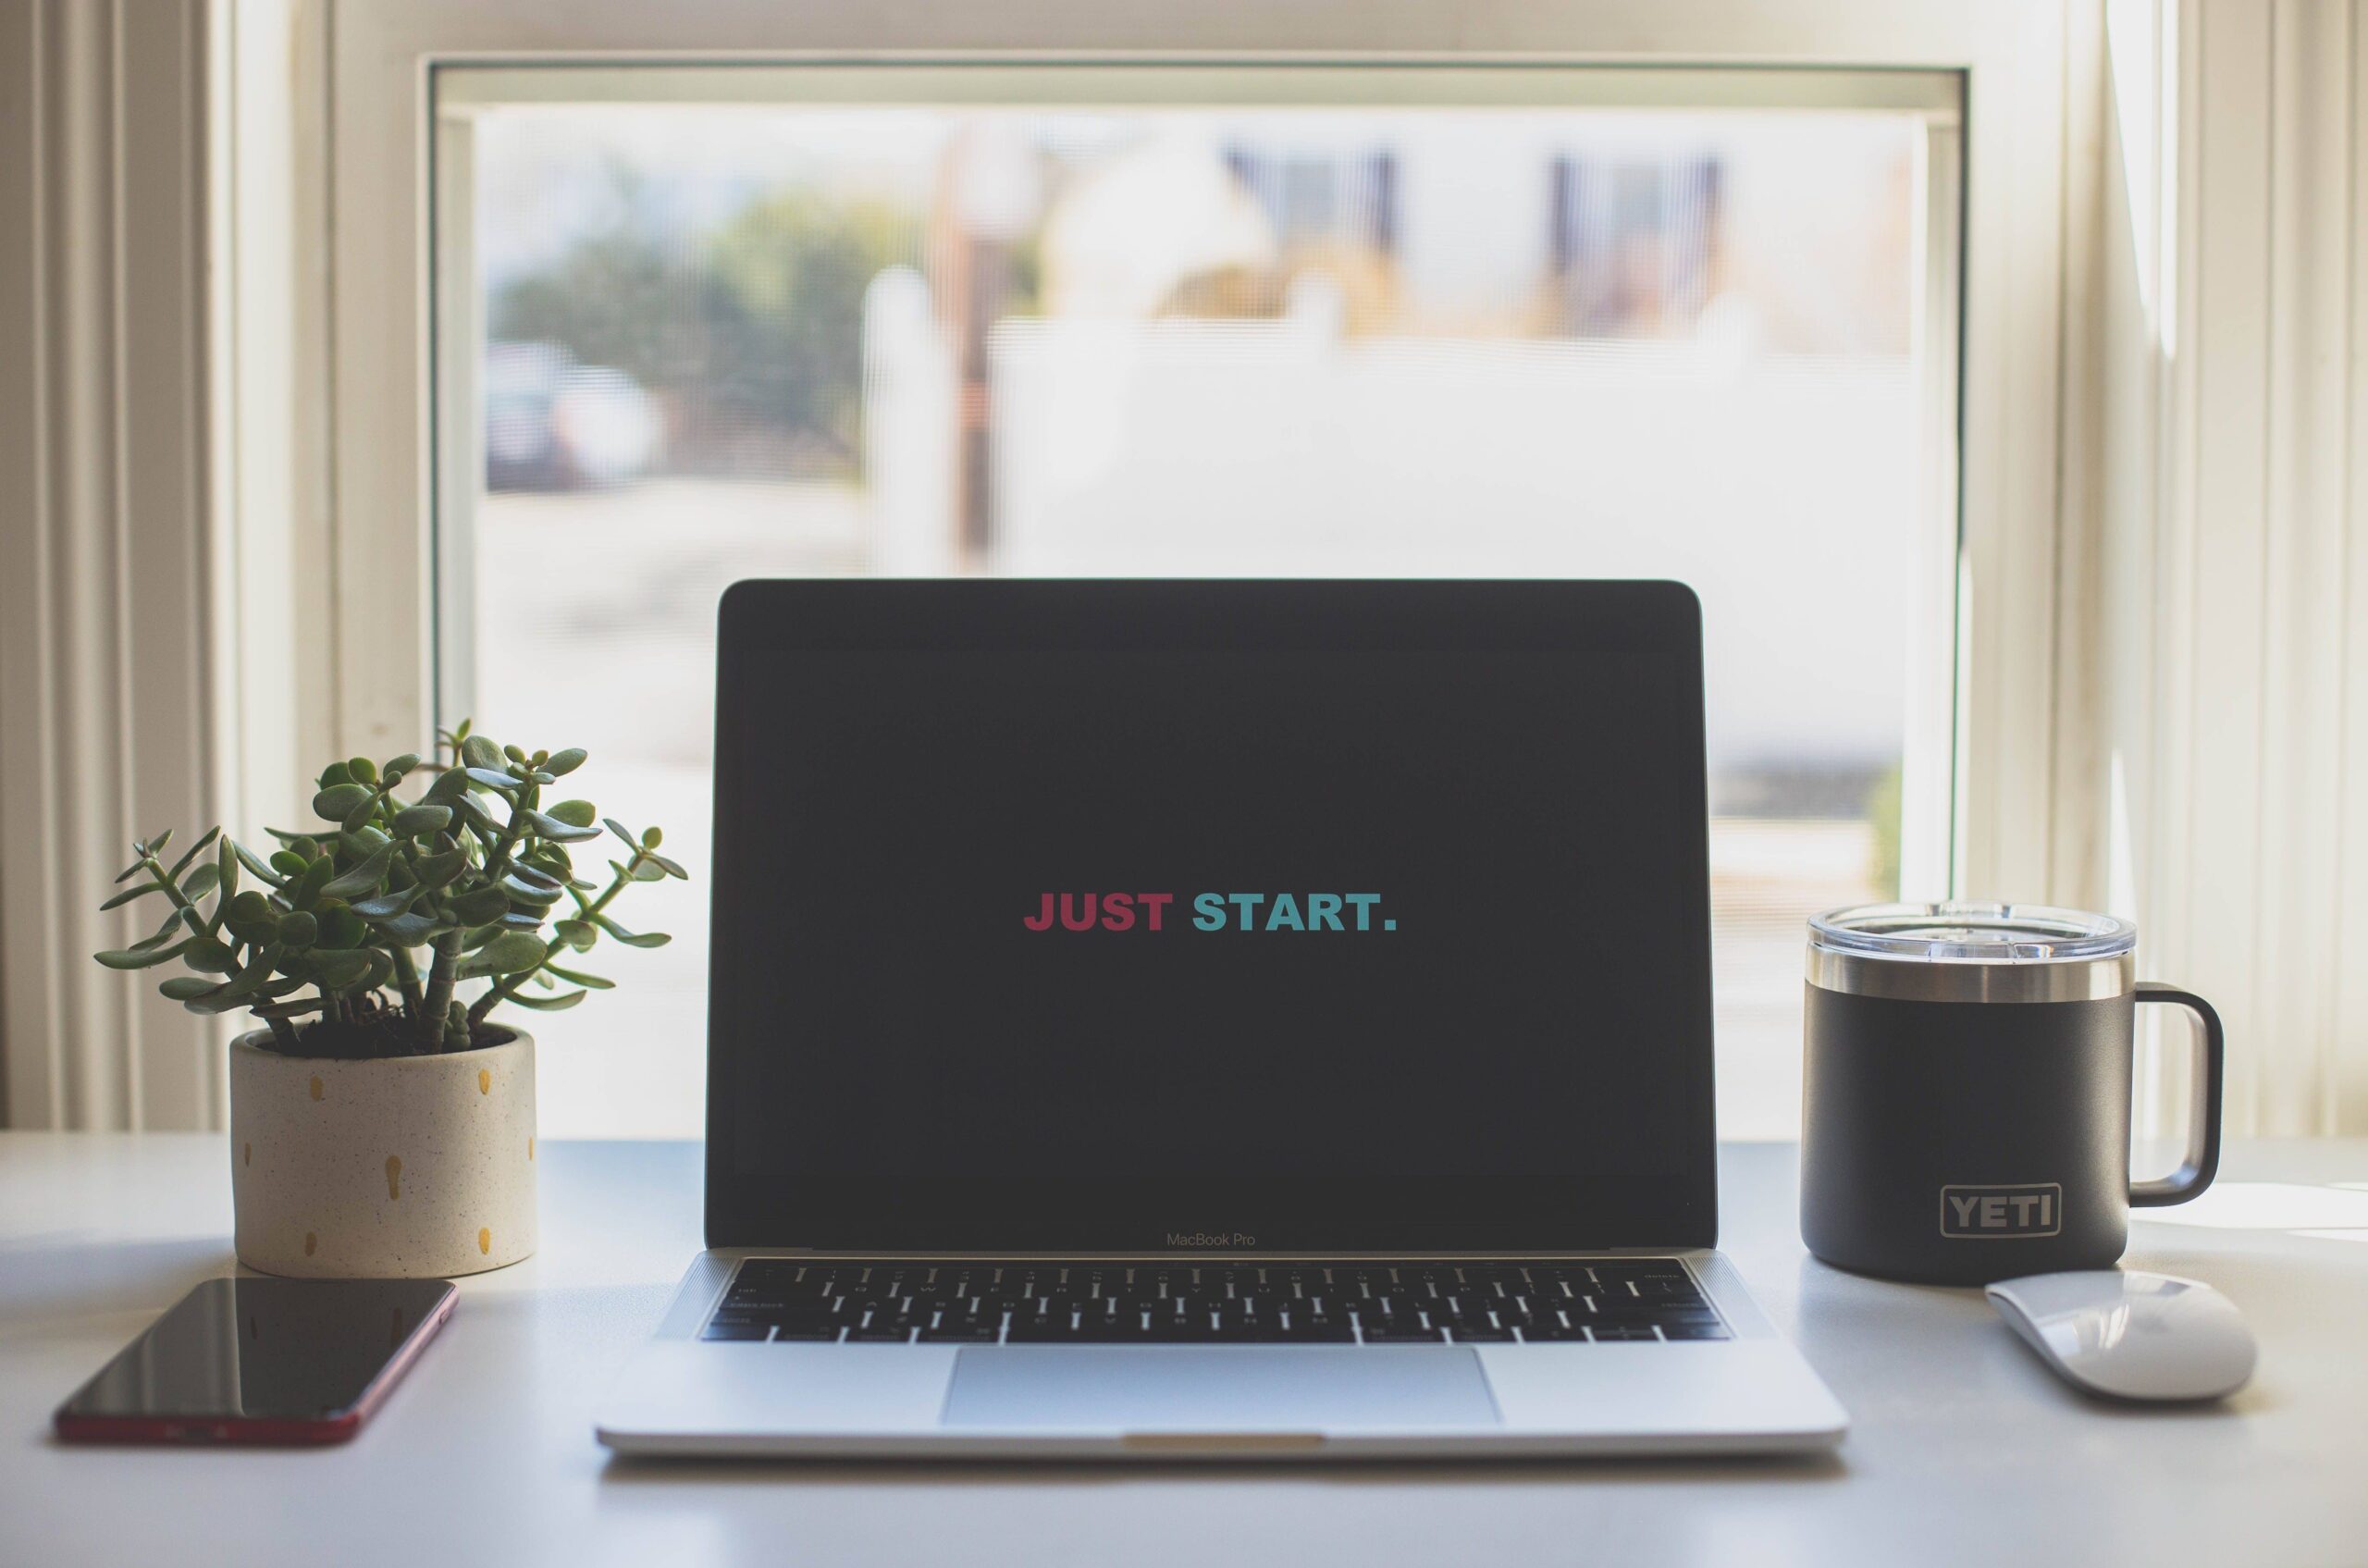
(1982, 1213)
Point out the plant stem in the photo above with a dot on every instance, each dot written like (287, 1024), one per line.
(508, 987)
(407, 977)
(441, 975)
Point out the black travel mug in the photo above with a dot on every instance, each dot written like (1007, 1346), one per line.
(1965, 1102)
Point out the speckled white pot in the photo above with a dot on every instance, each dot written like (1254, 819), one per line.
(399, 1167)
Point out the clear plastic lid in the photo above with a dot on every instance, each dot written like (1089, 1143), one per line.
(1971, 933)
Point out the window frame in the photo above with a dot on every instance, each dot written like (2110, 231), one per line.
(1988, 832)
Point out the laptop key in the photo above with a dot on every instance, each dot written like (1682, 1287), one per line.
(1551, 1332)
(966, 1333)
(738, 1331)
(1410, 1335)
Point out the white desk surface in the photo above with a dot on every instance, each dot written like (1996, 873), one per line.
(1963, 1447)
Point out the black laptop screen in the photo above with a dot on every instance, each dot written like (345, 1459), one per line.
(1174, 942)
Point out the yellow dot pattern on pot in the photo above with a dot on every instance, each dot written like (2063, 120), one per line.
(484, 1081)
(316, 1087)
(485, 1241)
(394, 1177)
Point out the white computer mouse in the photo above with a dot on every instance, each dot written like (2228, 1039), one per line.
(2132, 1335)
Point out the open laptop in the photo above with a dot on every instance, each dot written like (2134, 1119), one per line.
(1241, 1018)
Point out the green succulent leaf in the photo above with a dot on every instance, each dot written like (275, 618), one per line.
(186, 987)
(397, 766)
(288, 1009)
(139, 958)
(128, 895)
(362, 770)
(535, 877)
(645, 871)
(202, 881)
(213, 956)
(288, 863)
(491, 778)
(565, 761)
(436, 869)
(578, 934)
(339, 971)
(338, 801)
(410, 930)
(523, 892)
(560, 1003)
(226, 866)
(418, 821)
(386, 904)
(306, 891)
(341, 928)
(362, 842)
(194, 851)
(364, 879)
(163, 933)
(450, 786)
(575, 814)
(507, 954)
(334, 774)
(671, 868)
(251, 917)
(590, 982)
(652, 939)
(476, 817)
(298, 930)
(254, 977)
(477, 751)
(480, 905)
(617, 828)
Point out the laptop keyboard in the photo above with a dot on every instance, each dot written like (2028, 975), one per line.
(883, 1300)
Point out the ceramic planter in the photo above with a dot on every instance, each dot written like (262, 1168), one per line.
(399, 1167)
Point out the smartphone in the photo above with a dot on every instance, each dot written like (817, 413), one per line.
(261, 1360)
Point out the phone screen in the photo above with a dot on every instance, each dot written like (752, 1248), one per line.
(263, 1349)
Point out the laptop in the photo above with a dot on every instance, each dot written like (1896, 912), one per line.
(1248, 1019)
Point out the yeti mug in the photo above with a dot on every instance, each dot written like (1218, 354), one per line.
(1965, 1103)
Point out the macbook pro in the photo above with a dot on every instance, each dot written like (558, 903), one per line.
(1186, 1018)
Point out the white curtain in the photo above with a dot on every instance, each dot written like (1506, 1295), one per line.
(107, 580)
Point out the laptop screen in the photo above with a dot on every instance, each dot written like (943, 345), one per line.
(1134, 936)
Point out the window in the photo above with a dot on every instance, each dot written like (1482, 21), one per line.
(1104, 322)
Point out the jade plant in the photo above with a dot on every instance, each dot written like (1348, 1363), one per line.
(359, 938)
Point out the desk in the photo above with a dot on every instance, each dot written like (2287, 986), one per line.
(1963, 1447)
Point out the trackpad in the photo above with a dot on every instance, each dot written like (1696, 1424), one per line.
(1217, 1388)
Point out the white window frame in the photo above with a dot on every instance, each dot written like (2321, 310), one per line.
(1993, 824)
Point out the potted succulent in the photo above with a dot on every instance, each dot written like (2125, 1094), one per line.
(382, 1122)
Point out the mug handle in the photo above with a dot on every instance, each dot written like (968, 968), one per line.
(2202, 1160)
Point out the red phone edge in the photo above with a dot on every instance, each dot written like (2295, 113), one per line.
(283, 1432)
